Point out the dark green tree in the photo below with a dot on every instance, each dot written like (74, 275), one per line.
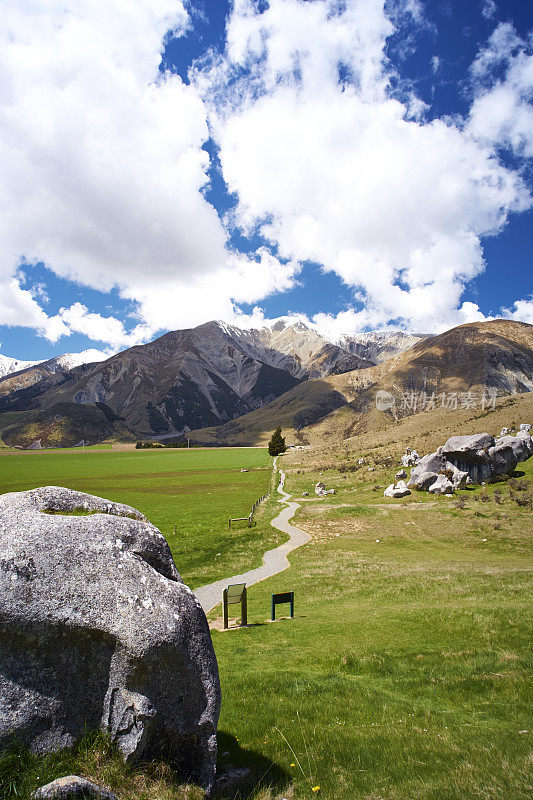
(277, 444)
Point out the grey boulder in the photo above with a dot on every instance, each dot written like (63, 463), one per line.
(98, 630)
(502, 456)
(426, 471)
(72, 787)
(441, 485)
(398, 489)
(523, 447)
(468, 444)
(410, 458)
(470, 454)
(459, 478)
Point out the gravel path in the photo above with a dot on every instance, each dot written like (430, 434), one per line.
(274, 561)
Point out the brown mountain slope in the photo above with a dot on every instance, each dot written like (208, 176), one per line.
(496, 356)
(423, 431)
(66, 425)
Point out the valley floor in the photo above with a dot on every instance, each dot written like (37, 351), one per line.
(406, 671)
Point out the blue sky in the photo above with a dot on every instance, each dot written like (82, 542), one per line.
(358, 165)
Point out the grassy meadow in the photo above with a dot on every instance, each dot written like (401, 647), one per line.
(406, 673)
(195, 490)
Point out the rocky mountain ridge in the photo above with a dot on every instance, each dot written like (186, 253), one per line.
(16, 374)
(495, 357)
(187, 378)
(378, 346)
(9, 365)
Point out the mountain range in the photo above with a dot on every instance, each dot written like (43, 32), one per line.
(495, 357)
(190, 378)
(229, 385)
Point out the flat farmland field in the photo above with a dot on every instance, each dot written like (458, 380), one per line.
(195, 490)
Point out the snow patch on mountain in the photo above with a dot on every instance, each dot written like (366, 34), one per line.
(70, 360)
(9, 365)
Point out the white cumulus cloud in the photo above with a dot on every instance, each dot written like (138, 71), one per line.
(501, 113)
(104, 171)
(103, 166)
(340, 173)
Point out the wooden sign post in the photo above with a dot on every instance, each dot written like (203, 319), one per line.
(235, 593)
(282, 597)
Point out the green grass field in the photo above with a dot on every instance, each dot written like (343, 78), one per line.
(406, 674)
(194, 490)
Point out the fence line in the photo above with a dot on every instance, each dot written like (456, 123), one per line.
(251, 514)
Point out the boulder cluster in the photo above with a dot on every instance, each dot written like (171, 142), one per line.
(475, 459)
(463, 460)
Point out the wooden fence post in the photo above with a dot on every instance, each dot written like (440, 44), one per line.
(225, 607)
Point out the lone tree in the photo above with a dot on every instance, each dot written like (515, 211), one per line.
(277, 444)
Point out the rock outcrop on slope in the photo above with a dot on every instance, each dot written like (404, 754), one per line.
(478, 458)
(98, 630)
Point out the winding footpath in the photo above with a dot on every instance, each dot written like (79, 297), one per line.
(274, 561)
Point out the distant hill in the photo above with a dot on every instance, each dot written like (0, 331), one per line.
(495, 355)
(66, 425)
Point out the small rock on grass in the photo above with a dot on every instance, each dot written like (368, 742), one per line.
(398, 489)
(72, 787)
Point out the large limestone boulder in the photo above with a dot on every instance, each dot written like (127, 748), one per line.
(523, 447)
(442, 485)
(471, 459)
(471, 454)
(98, 630)
(468, 445)
(502, 456)
(426, 471)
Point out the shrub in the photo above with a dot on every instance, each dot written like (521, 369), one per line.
(523, 500)
(277, 443)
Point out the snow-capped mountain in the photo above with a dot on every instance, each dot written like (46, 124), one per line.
(70, 360)
(192, 378)
(23, 374)
(9, 365)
